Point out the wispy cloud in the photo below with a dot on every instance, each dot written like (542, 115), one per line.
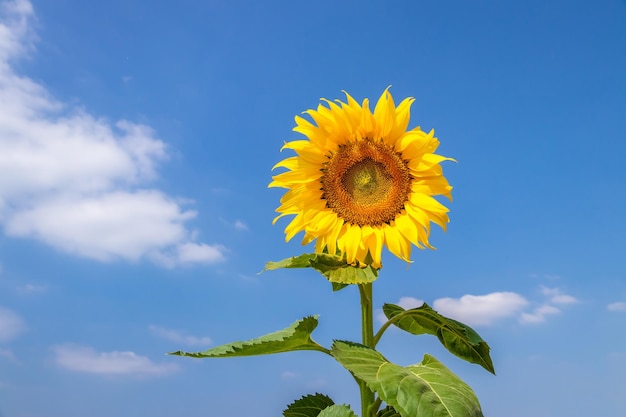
(239, 225)
(31, 289)
(549, 277)
(556, 296)
(481, 310)
(11, 325)
(289, 375)
(89, 194)
(8, 354)
(539, 314)
(88, 360)
(179, 336)
(617, 306)
(201, 253)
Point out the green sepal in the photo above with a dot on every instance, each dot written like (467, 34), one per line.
(427, 389)
(338, 287)
(388, 411)
(333, 267)
(308, 406)
(295, 337)
(460, 339)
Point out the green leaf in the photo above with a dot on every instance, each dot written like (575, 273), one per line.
(308, 406)
(337, 411)
(427, 389)
(388, 411)
(318, 405)
(460, 339)
(333, 267)
(295, 337)
(301, 261)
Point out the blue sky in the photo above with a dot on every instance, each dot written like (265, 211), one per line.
(136, 141)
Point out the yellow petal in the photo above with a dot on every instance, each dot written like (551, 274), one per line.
(367, 124)
(322, 222)
(333, 235)
(363, 249)
(295, 177)
(296, 225)
(350, 242)
(415, 144)
(385, 115)
(420, 217)
(308, 238)
(427, 203)
(306, 150)
(289, 163)
(437, 185)
(374, 244)
(408, 229)
(403, 114)
(426, 162)
(393, 240)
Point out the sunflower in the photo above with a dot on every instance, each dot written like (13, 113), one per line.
(362, 181)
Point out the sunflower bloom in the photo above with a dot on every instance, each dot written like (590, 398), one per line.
(362, 181)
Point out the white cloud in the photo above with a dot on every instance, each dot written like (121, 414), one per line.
(484, 310)
(539, 314)
(289, 375)
(86, 359)
(549, 277)
(11, 325)
(549, 291)
(201, 253)
(556, 296)
(103, 227)
(406, 303)
(78, 182)
(31, 289)
(178, 336)
(15, 35)
(564, 299)
(239, 225)
(617, 306)
(481, 310)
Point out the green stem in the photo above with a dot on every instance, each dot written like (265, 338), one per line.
(389, 322)
(376, 406)
(367, 333)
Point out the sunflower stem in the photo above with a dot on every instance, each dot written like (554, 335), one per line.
(367, 333)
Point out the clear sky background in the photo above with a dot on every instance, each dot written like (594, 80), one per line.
(136, 141)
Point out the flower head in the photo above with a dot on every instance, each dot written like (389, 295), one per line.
(362, 181)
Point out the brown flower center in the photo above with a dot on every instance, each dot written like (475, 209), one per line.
(366, 183)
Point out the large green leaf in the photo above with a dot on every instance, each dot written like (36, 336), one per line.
(458, 338)
(427, 389)
(333, 267)
(308, 406)
(295, 337)
(337, 411)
